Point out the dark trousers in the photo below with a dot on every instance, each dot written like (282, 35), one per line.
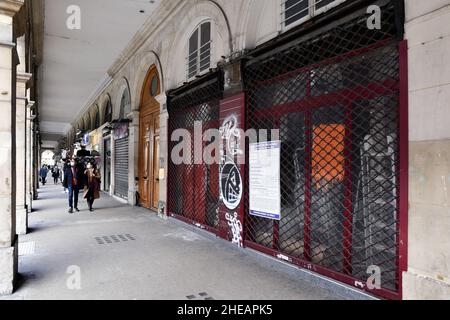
(90, 198)
(73, 196)
(55, 179)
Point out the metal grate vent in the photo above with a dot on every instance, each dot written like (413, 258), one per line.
(114, 239)
(201, 296)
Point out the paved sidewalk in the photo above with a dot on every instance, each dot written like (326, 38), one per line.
(142, 257)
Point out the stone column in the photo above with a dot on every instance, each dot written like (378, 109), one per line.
(21, 209)
(21, 102)
(164, 153)
(133, 157)
(427, 29)
(36, 160)
(29, 156)
(8, 62)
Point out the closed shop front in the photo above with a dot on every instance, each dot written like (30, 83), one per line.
(193, 190)
(330, 98)
(336, 99)
(121, 158)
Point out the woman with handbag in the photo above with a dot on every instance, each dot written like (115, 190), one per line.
(92, 186)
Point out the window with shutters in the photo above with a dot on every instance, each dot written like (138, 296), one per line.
(295, 12)
(199, 55)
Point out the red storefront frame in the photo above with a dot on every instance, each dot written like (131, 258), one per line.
(402, 226)
(402, 237)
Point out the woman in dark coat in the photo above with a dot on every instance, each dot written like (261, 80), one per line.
(55, 174)
(92, 186)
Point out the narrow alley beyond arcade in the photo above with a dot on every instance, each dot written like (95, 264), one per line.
(120, 252)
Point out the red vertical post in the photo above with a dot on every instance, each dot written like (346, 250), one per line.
(348, 193)
(308, 178)
(233, 108)
(169, 174)
(402, 238)
(308, 174)
(276, 223)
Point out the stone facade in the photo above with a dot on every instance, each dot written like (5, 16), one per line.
(427, 31)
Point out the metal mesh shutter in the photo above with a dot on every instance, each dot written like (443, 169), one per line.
(335, 100)
(121, 168)
(193, 189)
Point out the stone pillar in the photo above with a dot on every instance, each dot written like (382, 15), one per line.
(36, 160)
(29, 156)
(133, 157)
(164, 153)
(21, 209)
(21, 102)
(427, 29)
(8, 62)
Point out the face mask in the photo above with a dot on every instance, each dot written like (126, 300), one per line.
(89, 166)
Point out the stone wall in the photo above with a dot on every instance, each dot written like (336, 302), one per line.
(428, 35)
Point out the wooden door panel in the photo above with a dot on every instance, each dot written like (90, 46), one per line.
(145, 155)
(149, 141)
(156, 167)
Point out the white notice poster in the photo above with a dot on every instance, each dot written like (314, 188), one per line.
(264, 180)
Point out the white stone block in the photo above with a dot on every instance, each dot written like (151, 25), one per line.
(8, 269)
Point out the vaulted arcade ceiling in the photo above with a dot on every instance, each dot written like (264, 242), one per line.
(75, 62)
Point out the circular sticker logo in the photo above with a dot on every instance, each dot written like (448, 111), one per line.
(230, 184)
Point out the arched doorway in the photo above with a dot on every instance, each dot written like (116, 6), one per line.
(48, 158)
(149, 146)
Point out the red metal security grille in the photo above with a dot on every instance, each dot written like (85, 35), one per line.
(335, 100)
(193, 189)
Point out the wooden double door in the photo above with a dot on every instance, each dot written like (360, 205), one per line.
(149, 148)
(149, 161)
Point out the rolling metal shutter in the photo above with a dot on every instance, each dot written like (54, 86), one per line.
(121, 168)
(336, 102)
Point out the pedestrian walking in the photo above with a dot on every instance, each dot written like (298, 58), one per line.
(73, 181)
(43, 174)
(63, 178)
(92, 187)
(55, 174)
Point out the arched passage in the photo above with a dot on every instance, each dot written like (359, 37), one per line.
(149, 140)
(48, 158)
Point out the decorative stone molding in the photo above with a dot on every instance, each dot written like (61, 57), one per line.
(162, 100)
(24, 77)
(6, 44)
(10, 7)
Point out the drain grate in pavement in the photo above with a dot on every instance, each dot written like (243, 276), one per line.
(202, 296)
(27, 248)
(114, 239)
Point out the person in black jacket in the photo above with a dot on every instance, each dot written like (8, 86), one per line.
(73, 181)
(55, 174)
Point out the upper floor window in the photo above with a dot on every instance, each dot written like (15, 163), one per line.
(295, 12)
(199, 56)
